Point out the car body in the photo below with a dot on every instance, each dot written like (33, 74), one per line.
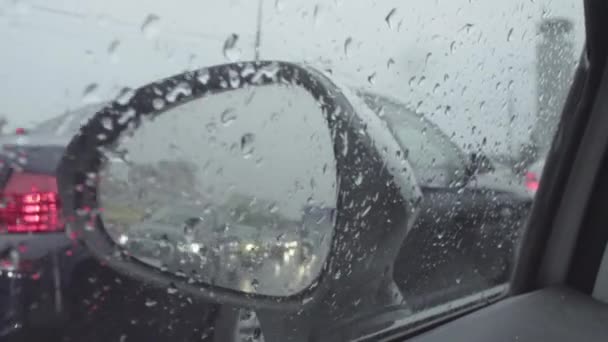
(484, 206)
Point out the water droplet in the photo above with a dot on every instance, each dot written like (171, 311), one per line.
(107, 123)
(389, 18)
(447, 110)
(371, 78)
(150, 303)
(426, 60)
(171, 289)
(247, 141)
(228, 116)
(419, 106)
(158, 104)
(151, 26)
(234, 79)
(510, 35)
(231, 52)
(273, 208)
(255, 283)
(359, 179)
(389, 63)
(211, 127)
(467, 28)
(90, 94)
(453, 47)
(421, 81)
(183, 89)
(411, 81)
(125, 95)
(203, 76)
(316, 14)
(112, 50)
(347, 43)
(436, 88)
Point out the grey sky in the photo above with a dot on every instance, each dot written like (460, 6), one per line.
(53, 50)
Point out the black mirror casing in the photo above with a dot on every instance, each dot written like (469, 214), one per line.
(374, 213)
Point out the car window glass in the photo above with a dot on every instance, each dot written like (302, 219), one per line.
(470, 92)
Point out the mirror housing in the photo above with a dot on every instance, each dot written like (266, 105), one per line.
(373, 213)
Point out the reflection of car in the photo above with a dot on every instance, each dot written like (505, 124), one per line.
(460, 199)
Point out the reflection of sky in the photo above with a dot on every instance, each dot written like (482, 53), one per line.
(288, 162)
(58, 48)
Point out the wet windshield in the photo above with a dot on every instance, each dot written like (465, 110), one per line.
(352, 168)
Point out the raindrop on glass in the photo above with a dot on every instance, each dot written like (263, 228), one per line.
(247, 141)
(171, 289)
(150, 303)
(90, 93)
(359, 179)
(316, 14)
(427, 59)
(389, 63)
(371, 78)
(112, 50)
(203, 76)
(389, 18)
(230, 50)
(467, 28)
(158, 104)
(347, 43)
(151, 26)
(510, 35)
(273, 208)
(125, 95)
(228, 116)
(411, 81)
(107, 124)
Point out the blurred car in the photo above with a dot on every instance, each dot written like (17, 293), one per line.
(466, 197)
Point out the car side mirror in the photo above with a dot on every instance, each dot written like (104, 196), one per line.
(266, 185)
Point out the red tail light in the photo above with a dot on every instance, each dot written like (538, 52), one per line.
(532, 181)
(30, 204)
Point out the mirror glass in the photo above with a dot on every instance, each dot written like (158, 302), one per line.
(235, 189)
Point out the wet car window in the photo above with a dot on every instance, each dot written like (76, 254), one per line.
(248, 189)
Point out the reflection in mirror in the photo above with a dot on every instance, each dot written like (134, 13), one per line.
(235, 189)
